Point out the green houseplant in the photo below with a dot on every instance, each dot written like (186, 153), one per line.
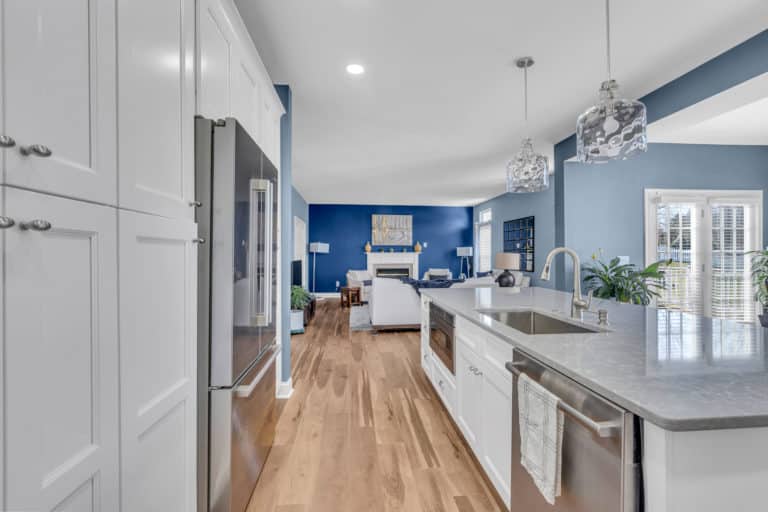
(623, 281)
(760, 282)
(300, 298)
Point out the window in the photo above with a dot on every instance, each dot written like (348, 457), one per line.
(707, 235)
(484, 241)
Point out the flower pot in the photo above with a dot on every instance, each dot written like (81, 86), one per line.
(763, 318)
(297, 321)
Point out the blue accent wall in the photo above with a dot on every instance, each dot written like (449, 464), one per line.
(604, 204)
(348, 227)
(286, 234)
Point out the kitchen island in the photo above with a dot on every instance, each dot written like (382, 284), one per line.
(700, 386)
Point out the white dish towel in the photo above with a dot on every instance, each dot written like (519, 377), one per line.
(541, 436)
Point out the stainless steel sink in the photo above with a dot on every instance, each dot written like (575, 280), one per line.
(532, 322)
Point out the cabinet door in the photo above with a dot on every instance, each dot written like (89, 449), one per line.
(497, 430)
(214, 43)
(61, 358)
(156, 105)
(59, 91)
(158, 301)
(469, 382)
(245, 95)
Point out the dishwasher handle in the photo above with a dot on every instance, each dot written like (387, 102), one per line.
(601, 428)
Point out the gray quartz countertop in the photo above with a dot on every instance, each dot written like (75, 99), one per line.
(681, 372)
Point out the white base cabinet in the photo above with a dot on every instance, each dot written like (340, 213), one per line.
(61, 355)
(482, 407)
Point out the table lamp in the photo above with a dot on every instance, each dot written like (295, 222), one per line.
(507, 261)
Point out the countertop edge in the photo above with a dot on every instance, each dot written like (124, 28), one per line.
(669, 424)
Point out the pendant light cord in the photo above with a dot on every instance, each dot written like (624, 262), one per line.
(525, 88)
(608, 35)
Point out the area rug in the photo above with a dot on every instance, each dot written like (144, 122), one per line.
(360, 318)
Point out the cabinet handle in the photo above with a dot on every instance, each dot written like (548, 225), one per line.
(36, 150)
(7, 141)
(440, 383)
(195, 204)
(198, 240)
(6, 222)
(35, 225)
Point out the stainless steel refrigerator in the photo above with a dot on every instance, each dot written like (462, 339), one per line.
(236, 199)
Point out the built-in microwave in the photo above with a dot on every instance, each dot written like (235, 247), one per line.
(441, 335)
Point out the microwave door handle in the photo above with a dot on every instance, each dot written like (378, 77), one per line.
(601, 428)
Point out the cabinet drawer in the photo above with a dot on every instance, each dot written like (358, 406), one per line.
(445, 384)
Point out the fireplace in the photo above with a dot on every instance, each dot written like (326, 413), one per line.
(395, 272)
(393, 264)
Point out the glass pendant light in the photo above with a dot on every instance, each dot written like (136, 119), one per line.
(528, 171)
(614, 129)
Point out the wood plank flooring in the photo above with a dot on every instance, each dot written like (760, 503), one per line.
(364, 431)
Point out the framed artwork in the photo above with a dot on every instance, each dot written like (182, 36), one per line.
(520, 237)
(392, 229)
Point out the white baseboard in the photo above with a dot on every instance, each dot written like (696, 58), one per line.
(285, 389)
(327, 295)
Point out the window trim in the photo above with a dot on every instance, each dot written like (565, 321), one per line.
(702, 199)
(481, 224)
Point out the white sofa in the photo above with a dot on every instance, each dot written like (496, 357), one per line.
(394, 304)
(356, 279)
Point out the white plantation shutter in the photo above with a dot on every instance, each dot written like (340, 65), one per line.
(677, 240)
(708, 236)
(733, 235)
(484, 248)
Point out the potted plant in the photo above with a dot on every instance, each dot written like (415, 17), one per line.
(623, 281)
(760, 282)
(299, 300)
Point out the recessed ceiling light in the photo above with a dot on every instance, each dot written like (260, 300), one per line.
(355, 69)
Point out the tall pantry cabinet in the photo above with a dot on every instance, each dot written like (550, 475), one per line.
(98, 252)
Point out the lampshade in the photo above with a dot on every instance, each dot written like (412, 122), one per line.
(321, 247)
(463, 251)
(507, 261)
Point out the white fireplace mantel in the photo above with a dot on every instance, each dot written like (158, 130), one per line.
(392, 259)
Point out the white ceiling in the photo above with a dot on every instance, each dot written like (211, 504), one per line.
(738, 116)
(439, 110)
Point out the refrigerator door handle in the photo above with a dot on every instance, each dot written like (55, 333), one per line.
(260, 273)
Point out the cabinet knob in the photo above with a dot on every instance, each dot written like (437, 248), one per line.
(6, 222)
(196, 204)
(7, 141)
(35, 225)
(36, 150)
(198, 240)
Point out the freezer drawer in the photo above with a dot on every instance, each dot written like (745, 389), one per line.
(242, 429)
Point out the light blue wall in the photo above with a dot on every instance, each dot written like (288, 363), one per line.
(513, 206)
(286, 235)
(300, 207)
(737, 65)
(604, 204)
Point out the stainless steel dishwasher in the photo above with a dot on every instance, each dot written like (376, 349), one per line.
(601, 449)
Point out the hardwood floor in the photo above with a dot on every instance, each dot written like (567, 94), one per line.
(364, 431)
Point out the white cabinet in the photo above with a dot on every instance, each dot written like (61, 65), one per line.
(158, 265)
(60, 355)
(156, 106)
(58, 83)
(469, 383)
(232, 80)
(496, 438)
